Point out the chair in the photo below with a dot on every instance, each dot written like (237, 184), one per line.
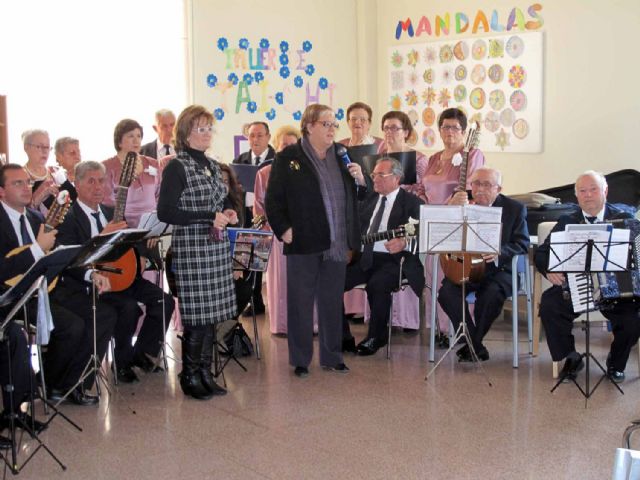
(520, 270)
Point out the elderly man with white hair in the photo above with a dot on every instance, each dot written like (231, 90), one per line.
(556, 310)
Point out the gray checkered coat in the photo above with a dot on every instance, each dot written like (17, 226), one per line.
(203, 267)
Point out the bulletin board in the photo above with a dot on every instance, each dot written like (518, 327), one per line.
(495, 80)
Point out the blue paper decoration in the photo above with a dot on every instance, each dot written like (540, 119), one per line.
(310, 69)
(233, 78)
(279, 98)
(271, 114)
(222, 44)
(306, 46)
(243, 43)
(264, 43)
(218, 113)
(248, 78)
(259, 77)
(298, 81)
(212, 80)
(323, 83)
(340, 114)
(284, 72)
(252, 107)
(297, 115)
(284, 46)
(284, 59)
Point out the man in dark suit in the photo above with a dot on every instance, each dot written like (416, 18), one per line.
(556, 309)
(387, 208)
(495, 285)
(163, 145)
(23, 241)
(259, 152)
(87, 218)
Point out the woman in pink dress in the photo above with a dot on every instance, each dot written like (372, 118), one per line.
(277, 267)
(359, 117)
(439, 178)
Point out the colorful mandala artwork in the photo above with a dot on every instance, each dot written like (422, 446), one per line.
(430, 56)
(447, 75)
(413, 116)
(492, 122)
(396, 59)
(413, 138)
(479, 49)
(518, 101)
(460, 93)
(478, 74)
(411, 98)
(461, 73)
(429, 96)
(428, 116)
(395, 102)
(517, 76)
(496, 73)
(412, 58)
(477, 98)
(397, 80)
(461, 50)
(502, 139)
(520, 128)
(497, 100)
(515, 47)
(444, 97)
(507, 117)
(446, 54)
(413, 78)
(429, 76)
(428, 137)
(475, 118)
(496, 48)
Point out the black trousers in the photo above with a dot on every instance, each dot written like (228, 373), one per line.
(14, 366)
(491, 293)
(312, 280)
(381, 280)
(151, 333)
(557, 316)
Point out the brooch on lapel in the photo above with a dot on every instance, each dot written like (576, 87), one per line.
(294, 165)
(456, 161)
(207, 171)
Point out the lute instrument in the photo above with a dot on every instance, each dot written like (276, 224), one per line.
(462, 267)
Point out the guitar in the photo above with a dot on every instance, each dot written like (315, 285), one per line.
(54, 217)
(127, 264)
(462, 267)
(408, 231)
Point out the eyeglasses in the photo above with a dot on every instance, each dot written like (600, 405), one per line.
(21, 183)
(381, 175)
(359, 119)
(42, 148)
(479, 184)
(391, 128)
(207, 129)
(326, 124)
(451, 128)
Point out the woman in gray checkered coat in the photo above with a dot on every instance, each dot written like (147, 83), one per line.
(192, 198)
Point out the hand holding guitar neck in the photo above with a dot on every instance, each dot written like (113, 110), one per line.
(113, 227)
(46, 238)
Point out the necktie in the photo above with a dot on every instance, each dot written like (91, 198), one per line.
(591, 219)
(96, 215)
(367, 253)
(24, 232)
(166, 150)
(257, 160)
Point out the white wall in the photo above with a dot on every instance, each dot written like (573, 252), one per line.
(75, 68)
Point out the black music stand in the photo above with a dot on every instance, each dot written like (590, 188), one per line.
(587, 248)
(461, 233)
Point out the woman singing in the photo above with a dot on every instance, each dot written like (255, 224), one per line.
(192, 198)
(311, 207)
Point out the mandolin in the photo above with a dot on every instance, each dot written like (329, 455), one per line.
(54, 217)
(127, 264)
(462, 267)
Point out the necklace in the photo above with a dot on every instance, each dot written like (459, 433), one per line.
(35, 177)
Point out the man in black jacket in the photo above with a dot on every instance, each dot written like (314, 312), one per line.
(495, 285)
(163, 145)
(388, 208)
(556, 309)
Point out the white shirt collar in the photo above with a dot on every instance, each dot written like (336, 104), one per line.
(13, 214)
(599, 216)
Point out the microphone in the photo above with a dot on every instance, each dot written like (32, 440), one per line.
(341, 151)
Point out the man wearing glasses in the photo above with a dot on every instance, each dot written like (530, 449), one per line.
(387, 208)
(495, 286)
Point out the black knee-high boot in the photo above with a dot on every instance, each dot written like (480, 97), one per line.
(206, 358)
(190, 378)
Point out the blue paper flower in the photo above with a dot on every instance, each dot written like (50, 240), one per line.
(306, 46)
(284, 59)
(284, 46)
(218, 113)
(252, 107)
(233, 78)
(310, 69)
(243, 43)
(284, 72)
(298, 81)
(323, 83)
(264, 43)
(259, 77)
(212, 80)
(248, 78)
(271, 114)
(279, 98)
(222, 44)
(297, 115)
(340, 114)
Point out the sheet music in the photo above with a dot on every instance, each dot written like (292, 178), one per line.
(149, 221)
(610, 255)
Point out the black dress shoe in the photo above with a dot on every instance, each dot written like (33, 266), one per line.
(463, 351)
(127, 375)
(572, 365)
(465, 355)
(369, 347)
(22, 420)
(340, 368)
(79, 397)
(146, 365)
(349, 345)
(301, 372)
(442, 340)
(5, 443)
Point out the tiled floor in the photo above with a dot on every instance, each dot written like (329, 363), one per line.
(381, 421)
